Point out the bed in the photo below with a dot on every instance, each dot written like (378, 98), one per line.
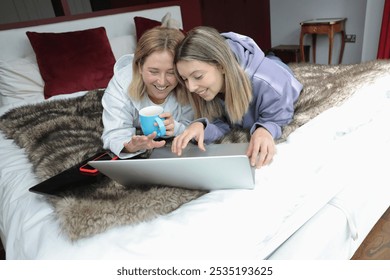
(325, 189)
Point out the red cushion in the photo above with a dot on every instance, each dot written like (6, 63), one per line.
(142, 24)
(73, 61)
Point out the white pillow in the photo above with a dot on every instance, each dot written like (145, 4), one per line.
(20, 79)
(123, 45)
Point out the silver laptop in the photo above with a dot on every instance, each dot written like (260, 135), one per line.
(221, 166)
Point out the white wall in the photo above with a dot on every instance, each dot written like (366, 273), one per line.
(363, 19)
(372, 29)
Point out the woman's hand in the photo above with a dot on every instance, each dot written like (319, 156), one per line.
(261, 148)
(169, 123)
(142, 142)
(193, 131)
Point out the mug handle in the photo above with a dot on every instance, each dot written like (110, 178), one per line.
(161, 127)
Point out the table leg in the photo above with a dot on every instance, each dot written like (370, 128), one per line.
(330, 35)
(314, 43)
(342, 46)
(302, 49)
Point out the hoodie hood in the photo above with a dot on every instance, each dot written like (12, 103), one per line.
(247, 52)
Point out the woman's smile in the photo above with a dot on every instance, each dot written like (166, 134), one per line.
(160, 88)
(202, 93)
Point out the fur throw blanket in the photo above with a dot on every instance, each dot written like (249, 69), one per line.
(57, 135)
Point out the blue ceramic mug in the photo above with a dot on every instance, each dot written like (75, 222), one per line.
(148, 116)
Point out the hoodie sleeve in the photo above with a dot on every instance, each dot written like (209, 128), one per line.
(275, 89)
(214, 130)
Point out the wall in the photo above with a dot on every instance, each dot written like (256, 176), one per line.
(24, 10)
(372, 29)
(190, 10)
(79, 6)
(364, 17)
(191, 13)
(364, 20)
(254, 20)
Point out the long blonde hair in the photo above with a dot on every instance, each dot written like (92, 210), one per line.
(207, 45)
(153, 40)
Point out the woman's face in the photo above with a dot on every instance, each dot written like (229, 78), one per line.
(158, 75)
(204, 79)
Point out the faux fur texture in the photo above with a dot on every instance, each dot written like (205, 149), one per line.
(59, 134)
(326, 86)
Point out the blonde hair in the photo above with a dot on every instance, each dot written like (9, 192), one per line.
(153, 40)
(207, 45)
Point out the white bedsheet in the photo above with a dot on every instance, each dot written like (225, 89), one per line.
(360, 167)
(342, 148)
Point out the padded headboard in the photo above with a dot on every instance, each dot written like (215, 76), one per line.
(14, 42)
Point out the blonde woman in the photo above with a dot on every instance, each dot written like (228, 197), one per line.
(233, 84)
(143, 79)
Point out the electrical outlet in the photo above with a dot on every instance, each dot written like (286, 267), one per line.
(350, 38)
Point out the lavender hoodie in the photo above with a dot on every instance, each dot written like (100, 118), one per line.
(275, 90)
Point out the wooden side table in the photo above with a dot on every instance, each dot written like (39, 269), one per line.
(328, 26)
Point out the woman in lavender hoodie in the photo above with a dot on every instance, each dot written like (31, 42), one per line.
(233, 84)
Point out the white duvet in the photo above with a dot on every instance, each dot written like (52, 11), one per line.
(342, 148)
